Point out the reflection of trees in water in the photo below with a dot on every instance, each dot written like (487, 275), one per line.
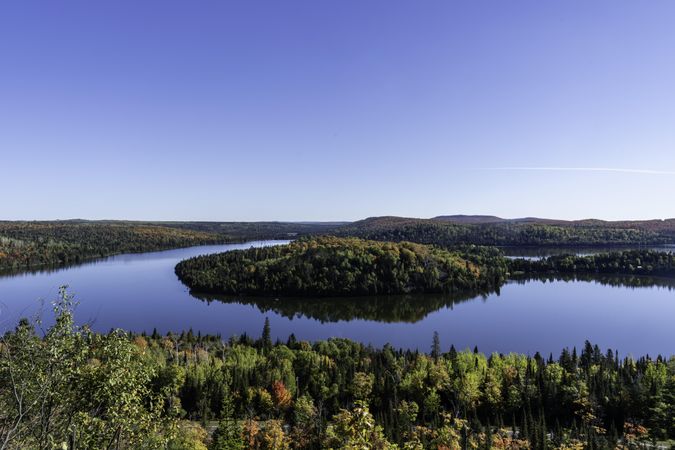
(413, 307)
(391, 308)
(627, 281)
(46, 269)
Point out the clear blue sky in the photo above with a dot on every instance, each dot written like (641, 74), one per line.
(336, 110)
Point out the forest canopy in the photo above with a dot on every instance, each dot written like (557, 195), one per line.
(536, 233)
(629, 262)
(27, 245)
(331, 266)
(73, 388)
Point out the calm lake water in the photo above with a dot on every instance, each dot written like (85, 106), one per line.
(140, 292)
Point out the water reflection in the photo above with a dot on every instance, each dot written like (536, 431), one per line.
(625, 281)
(410, 308)
(141, 292)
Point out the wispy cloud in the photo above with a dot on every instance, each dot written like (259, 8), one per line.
(584, 169)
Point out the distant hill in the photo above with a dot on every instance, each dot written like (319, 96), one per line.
(449, 231)
(461, 218)
(663, 225)
(480, 219)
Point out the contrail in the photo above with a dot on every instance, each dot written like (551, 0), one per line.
(587, 169)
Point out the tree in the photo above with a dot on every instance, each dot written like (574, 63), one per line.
(306, 422)
(436, 347)
(282, 397)
(228, 435)
(189, 436)
(362, 385)
(355, 430)
(267, 336)
(75, 388)
(272, 437)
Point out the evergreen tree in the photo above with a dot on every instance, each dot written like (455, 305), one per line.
(228, 435)
(436, 347)
(267, 336)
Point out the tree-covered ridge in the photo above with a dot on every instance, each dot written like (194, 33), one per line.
(74, 388)
(449, 234)
(25, 245)
(630, 262)
(331, 266)
(247, 231)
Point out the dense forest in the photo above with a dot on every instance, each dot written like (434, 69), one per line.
(667, 226)
(330, 266)
(26, 245)
(449, 234)
(74, 388)
(629, 262)
(248, 231)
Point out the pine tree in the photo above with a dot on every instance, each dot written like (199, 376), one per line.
(452, 353)
(436, 347)
(227, 436)
(267, 336)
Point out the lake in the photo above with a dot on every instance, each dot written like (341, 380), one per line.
(140, 292)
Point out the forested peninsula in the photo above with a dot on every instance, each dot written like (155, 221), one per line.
(26, 245)
(330, 266)
(29, 245)
(629, 262)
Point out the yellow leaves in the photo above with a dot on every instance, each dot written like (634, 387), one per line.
(572, 445)
(633, 432)
(503, 440)
(141, 343)
(282, 397)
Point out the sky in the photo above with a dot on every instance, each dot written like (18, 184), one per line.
(336, 110)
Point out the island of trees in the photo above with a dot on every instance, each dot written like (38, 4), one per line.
(73, 388)
(331, 266)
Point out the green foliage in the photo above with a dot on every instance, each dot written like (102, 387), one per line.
(79, 389)
(528, 233)
(329, 266)
(74, 387)
(355, 429)
(630, 262)
(189, 436)
(29, 245)
(25, 245)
